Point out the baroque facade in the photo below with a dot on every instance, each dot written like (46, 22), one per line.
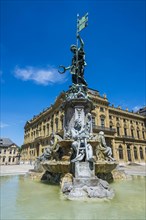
(9, 152)
(125, 131)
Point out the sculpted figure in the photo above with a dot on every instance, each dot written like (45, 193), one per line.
(89, 124)
(106, 150)
(78, 63)
(51, 150)
(80, 145)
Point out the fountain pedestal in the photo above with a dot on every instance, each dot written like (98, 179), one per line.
(73, 158)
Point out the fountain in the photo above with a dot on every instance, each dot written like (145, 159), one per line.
(76, 159)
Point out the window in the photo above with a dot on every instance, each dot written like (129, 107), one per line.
(44, 129)
(102, 121)
(135, 153)
(61, 119)
(5, 151)
(125, 131)
(9, 159)
(121, 152)
(93, 121)
(111, 127)
(132, 133)
(138, 133)
(47, 128)
(129, 153)
(101, 109)
(13, 159)
(141, 153)
(118, 131)
(143, 135)
(117, 118)
(52, 126)
(56, 122)
(110, 117)
(4, 159)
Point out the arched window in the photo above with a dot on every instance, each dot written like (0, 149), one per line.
(129, 153)
(135, 153)
(141, 153)
(120, 152)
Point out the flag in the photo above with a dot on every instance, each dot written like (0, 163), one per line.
(82, 23)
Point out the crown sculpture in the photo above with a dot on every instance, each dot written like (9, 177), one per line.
(79, 156)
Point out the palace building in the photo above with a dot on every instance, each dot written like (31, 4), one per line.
(9, 152)
(125, 131)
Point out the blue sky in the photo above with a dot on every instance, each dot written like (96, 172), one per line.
(36, 38)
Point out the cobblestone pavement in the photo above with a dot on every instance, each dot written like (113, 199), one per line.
(15, 169)
(24, 168)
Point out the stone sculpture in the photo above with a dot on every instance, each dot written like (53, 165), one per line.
(103, 152)
(51, 152)
(80, 135)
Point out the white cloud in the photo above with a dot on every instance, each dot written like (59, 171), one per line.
(136, 108)
(42, 76)
(3, 125)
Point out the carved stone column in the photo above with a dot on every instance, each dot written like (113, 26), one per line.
(132, 153)
(125, 153)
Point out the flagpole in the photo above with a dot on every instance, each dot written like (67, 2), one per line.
(77, 47)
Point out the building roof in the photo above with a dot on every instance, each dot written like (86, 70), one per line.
(6, 142)
(142, 111)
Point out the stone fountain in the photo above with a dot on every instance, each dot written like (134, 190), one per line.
(79, 156)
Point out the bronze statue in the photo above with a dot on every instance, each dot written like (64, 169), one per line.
(78, 63)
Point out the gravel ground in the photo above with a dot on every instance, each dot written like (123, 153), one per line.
(132, 169)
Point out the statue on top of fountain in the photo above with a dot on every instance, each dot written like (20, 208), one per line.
(78, 64)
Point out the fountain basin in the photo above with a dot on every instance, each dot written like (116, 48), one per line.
(105, 166)
(56, 166)
(65, 166)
